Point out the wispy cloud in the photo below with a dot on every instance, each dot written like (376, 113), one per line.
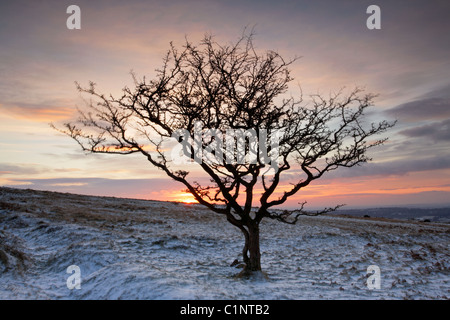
(17, 169)
(422, 109)
(40, 112)
(436, 131)
(394, 168)
(32, 169)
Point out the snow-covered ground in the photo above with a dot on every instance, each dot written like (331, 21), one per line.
(136, 249)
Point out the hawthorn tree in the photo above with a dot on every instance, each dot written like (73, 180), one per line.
(231, 87)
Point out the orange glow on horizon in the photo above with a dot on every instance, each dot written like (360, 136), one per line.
(185, 197)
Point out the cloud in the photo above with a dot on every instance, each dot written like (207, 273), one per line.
(436, 131)
(30, 169)
(20, 169)
(432, 105)
(68, 184)
(46, 111)
(393, 168)
(422, 109)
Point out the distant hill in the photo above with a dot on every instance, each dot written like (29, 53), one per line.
(420, 214)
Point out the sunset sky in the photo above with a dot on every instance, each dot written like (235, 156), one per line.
(407, 62)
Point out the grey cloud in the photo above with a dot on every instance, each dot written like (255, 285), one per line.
(401, 167)
(15, 169)
(432, 105)
(437, 131)
(443, 92)
(422, 109)
(30, 169)
(396, 168)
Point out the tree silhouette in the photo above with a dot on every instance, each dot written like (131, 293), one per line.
(231, 88)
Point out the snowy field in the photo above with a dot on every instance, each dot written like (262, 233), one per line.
(135, 249)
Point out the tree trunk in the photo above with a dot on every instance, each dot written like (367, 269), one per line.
(252, 262)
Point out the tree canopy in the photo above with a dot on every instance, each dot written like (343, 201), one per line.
(205, 93)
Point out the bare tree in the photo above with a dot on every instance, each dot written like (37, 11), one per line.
(231, 87)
